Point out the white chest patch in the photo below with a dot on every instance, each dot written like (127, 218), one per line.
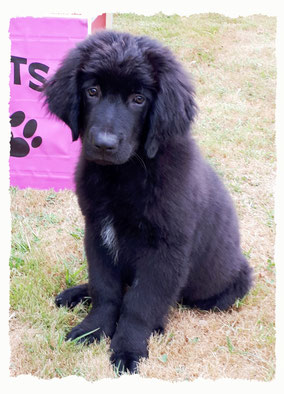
(109, 238)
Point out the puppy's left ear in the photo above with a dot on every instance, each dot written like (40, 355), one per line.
(174, 108)
(62, 94)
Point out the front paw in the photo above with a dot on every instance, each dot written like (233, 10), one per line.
(83, 334)
(124, 362)
(72, 296)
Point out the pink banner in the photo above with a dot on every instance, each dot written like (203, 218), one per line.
(43, 155)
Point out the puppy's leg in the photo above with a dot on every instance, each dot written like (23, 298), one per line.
(72, 296)
(159, 277)
(105, 290)
(224, 300)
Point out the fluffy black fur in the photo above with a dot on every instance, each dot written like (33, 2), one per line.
(160, 226)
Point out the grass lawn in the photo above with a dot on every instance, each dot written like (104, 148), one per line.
(232, 62)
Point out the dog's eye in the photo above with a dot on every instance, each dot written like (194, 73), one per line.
(138, 99)
(93, 91)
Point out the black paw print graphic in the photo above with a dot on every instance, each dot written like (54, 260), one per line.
(19, 146)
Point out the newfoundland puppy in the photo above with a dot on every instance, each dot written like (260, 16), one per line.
(160, 227)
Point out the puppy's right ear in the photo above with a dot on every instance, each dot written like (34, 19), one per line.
(62, 95)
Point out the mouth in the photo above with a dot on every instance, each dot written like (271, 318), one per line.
(103, 162)
(104, 158)
(101, 159)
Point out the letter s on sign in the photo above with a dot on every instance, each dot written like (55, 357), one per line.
(32, 70)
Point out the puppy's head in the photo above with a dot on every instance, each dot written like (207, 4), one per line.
(119, 92)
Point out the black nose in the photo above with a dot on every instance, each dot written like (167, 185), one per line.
(105, 141)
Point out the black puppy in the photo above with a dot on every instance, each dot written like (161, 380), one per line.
(157, 217)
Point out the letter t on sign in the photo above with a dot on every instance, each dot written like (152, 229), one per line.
(17, 61)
